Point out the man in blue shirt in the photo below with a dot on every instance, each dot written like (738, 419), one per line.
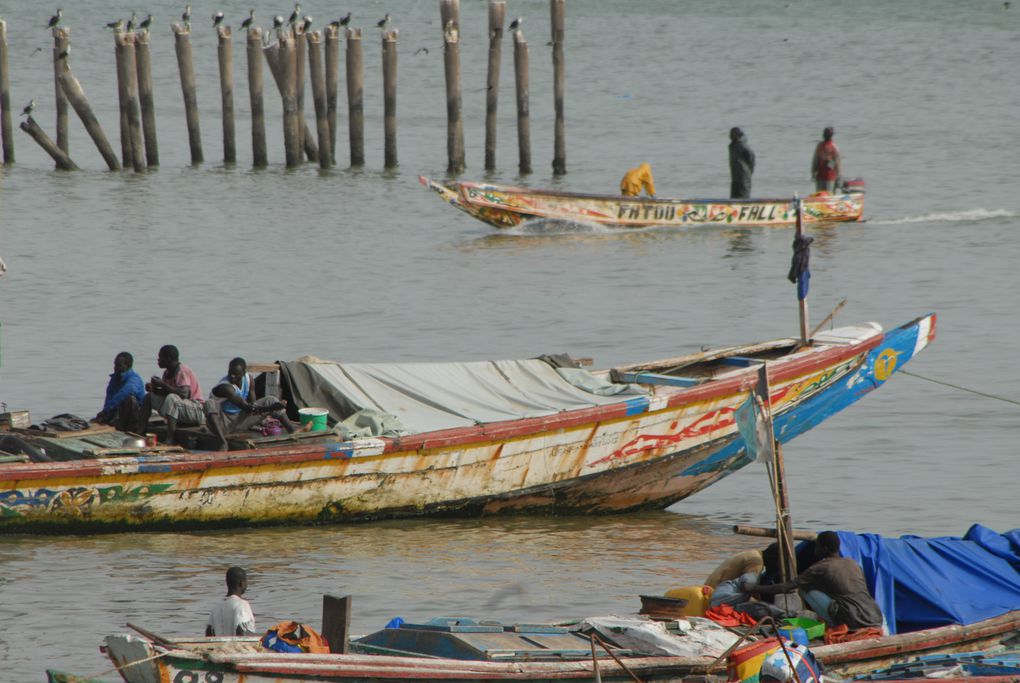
(124, 394)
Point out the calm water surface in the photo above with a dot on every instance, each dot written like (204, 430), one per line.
(364, 265)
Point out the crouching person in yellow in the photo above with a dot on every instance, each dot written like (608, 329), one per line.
(638, 179)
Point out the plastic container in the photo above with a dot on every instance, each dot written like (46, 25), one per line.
(815, 629)
(744, 664)
(697, 598)
(794, 633)
(315, 416)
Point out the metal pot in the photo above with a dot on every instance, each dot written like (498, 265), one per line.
(133, 442)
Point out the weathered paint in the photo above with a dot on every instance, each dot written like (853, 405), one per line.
(635, 454)
(507, 207)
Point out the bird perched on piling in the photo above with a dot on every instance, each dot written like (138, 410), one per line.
(278, 22)
(186, 16)
(295, 15)
(55, 19)
(382, 22)
(307, 24)
(131, 23)
(515, 25)
(246, 24)
(217, 19)
(146, 23)
(27, 111)
(345, 20)
(117, 26)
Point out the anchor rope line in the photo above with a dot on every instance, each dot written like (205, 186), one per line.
(121, 667)
(957, 386)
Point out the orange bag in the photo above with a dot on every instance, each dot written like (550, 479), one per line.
(301, 635)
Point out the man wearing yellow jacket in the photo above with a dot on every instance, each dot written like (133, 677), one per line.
(637, 179)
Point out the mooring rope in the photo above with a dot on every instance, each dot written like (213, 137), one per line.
(957, 386)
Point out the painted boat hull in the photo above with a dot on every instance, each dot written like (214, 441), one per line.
(195, 660)
(507, 207)
(640, 453)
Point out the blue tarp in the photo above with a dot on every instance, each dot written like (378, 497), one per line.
(927, 582)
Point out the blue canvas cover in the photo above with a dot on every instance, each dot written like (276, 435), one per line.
(927, 582)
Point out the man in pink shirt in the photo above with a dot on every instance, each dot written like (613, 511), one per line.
(825, 166)
(176, 395)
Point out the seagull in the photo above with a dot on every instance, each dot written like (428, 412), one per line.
(295, 15)
(186, 15)
(146, 23)
(346, 20)
(27, 111)
(38, 49)
(117, 26)
(382, 22)
(217, 19)
(306, 25)
(277, 22)
(422, 49)
(131, 23)
(515, 25)
(55, 19)
(246, 24)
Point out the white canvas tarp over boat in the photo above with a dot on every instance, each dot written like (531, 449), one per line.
(426, 397)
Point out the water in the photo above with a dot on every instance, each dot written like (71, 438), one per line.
(367, 266)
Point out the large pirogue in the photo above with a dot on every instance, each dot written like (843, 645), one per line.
(506, 207)
(538, 435)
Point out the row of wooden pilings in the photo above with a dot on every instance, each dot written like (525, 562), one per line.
(286, 59)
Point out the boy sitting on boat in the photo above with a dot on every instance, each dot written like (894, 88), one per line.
(233, 407)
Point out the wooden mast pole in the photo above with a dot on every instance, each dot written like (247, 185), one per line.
(802, 302)
(784, 522)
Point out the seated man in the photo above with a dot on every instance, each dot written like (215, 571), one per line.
(638, 179)
(834, 587)
(176, 395)
(124, 394)
(232, 406)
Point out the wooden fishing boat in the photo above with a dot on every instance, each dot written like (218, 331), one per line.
(237, 660)
(477, 438)
(504, 206)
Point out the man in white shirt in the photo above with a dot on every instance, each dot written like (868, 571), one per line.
(232, 616)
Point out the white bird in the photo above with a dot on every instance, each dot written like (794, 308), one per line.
(117, 26)
(186, 15)
(27, 111)
(306, 25)
(516, 24)
(131, 23)
(278, 22)
(55, 19)
(146, 23)
(217, 19)
(295, 15)
(246, 24)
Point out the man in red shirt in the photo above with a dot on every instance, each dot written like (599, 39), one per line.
(825, 166)
(176, 395)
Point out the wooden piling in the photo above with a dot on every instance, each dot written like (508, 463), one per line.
(336, 623)
(449, 11)
(189, 89)
(143, 66)
(255, 87)
(317, 74)
(225, 53)
(61, 44)
(497, 16)
(523, 102)
(332, 38)
(355, 97)
(389, 61)
(299, 87)
(6, 122)
(280, 58)
(558, 12)
(127, 71)
(126, 159)
(80, 103)
(60, 157)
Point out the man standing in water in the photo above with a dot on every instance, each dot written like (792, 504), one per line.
(825, 166)
(741, 165)
(232, 616)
